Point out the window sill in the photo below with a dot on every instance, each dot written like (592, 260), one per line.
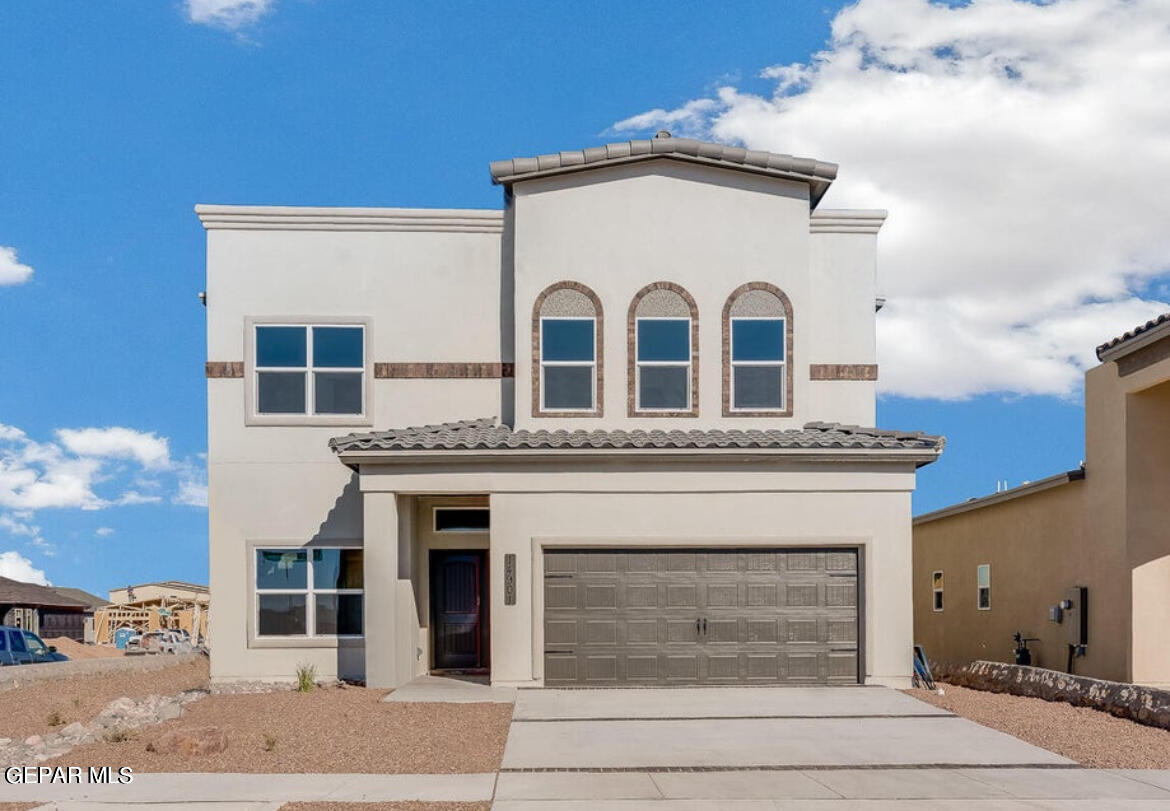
(295, 420)
(306, 641)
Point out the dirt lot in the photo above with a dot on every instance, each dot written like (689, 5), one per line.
(331, 729)
(30, 710)
(78, 650)
(400, 806)
(1090, 737)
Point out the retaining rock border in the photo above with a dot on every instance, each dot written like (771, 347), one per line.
(1146, 705)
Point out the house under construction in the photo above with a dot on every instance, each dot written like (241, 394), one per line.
(166, 605)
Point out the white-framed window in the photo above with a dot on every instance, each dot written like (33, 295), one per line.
(983, 587)
(936, 590)
(758, 364)
(309, 369)
(568, 364)
(462, 519)
(309, 592)
(662, 349)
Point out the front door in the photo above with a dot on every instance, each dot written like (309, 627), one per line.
(459, 599)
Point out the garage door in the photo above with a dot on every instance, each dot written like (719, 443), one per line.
(688, 616)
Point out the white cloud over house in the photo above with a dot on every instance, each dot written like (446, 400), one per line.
(230, 14)
(12, 272)
(15, 566)
(148, 449)
(1021, 149)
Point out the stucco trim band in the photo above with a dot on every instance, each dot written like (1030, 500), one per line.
(842, 371)
(224, 368)
(846, 221)
(443, 371)
(1007, 495)
(306, 218)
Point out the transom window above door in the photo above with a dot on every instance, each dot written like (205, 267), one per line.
(309, 370)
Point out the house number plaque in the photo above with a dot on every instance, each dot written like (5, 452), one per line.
(509, 579)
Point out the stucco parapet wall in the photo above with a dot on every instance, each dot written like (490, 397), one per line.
(1146, 705)
(298, 218)
(846, 221)
(1028, 489)
(486, 436)
(1153, 330)
(817, 174)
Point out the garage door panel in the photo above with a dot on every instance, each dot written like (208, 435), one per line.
(633, 616)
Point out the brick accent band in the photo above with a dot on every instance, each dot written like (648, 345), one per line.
(221, 368)
(843, 371)
(443, 371)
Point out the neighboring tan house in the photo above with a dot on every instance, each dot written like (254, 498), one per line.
(1019, 560)
(637, 387)
(42, 610)
(165, 589)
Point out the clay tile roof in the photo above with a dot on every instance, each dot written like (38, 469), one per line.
(1133, 333)
(488, 434)
(16, 592)
(818, 174)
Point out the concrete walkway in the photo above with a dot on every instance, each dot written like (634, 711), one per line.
(452, 690)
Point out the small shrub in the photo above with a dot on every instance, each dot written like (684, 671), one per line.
(76, 701)
(55, 719)
(117, 736)
(306, 678)
(269, 742)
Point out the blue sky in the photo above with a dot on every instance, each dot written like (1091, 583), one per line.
(116, 118)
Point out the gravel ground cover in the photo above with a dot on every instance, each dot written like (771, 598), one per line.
(78, 650)
(45, 706)
(412, 805)
(331, 729)
(1090, 737)
(18, 806)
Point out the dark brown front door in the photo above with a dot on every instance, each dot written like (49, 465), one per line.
(459, 609)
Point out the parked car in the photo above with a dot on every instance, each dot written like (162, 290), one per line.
(159, 642)
(21, 647)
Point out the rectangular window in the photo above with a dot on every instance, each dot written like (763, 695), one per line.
(309, 592)
(462, 519)
(316, 370)
(663, 353)
(568, 364)
(936, 588)
(983, 586)
(758, 364)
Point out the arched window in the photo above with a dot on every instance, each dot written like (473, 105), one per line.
(757, 352)
(567, 355)
(663, 353)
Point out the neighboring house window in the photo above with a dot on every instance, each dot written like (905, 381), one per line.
(757, 352)
(309, 592)
(462, 519)
(567, 352)
(936, 587)
(663, 354)
(310, 369)
(983, 586)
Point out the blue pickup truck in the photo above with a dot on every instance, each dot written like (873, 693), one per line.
(21, 647)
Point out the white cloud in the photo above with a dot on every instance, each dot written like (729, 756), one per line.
(1022, 151)
(230, 14)
(148, 449)
(11, 270)
(16, 567)
(192, 483)
(131, 497)
(104, 532)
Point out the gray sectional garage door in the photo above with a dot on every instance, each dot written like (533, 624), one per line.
(700, 616)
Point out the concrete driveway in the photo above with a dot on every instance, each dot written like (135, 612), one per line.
(750, 728)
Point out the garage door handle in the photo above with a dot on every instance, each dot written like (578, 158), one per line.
(698, 626)
(704, 626)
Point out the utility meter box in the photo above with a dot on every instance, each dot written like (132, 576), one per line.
(1076, 615)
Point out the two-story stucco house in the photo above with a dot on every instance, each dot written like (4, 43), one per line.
(607, 435)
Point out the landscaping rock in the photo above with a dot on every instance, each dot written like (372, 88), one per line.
(1146, 705)
(191, 742)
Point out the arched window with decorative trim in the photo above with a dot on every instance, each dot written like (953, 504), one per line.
(757, 352)
(662, 332)
(567, 356)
